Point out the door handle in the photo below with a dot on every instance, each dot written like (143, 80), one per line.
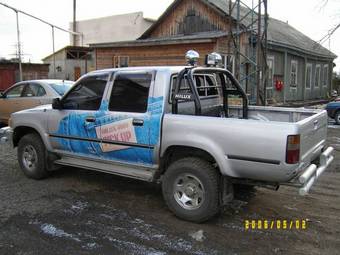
(138, 122)
(90, 119)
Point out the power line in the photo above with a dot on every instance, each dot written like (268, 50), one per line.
(41, 20)
(17, 11)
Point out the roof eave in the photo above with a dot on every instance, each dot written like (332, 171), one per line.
(313, 53)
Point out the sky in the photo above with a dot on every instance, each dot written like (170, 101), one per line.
(311, 17)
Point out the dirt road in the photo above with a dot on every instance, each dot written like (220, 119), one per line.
(81, 212)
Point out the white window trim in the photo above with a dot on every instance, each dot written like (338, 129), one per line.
(327, 81)
(273, 68)
(117, 59)
(311, 76)
(316, 69)
(232, 58)
(297, 72)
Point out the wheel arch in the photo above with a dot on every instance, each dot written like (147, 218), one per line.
(20, 131)
(176, 152)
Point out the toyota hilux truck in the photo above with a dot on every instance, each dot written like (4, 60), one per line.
(189, 128)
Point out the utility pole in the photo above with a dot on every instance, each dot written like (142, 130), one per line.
(74, 22)
(53, 48)
(19, 47)
(259, 78)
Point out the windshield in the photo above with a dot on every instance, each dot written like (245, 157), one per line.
(61, 87)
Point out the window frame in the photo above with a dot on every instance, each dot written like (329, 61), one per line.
(317, 83)
(112, 82)
(33, 84)
(271, 58)
(294, 86)
(117, 60)
(173, 76)
(310, 76)
(232, 61)
(75, 85)
(325, 74)
(13, 87)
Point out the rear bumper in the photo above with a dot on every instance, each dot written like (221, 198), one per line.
(6, 135)
(309, 176)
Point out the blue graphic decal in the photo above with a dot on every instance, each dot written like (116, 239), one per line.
(113, 127)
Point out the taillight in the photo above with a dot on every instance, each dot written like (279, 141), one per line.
(293, 149)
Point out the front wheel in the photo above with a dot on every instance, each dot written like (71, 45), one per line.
(337, 117)
(31, 156)
(191, 189)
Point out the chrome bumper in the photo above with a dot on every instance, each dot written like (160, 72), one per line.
(6, 135)
(312, 172)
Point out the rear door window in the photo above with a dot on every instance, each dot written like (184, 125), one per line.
(34, 90)
(130, 92)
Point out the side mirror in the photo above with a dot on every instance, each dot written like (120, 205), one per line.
(56, 104)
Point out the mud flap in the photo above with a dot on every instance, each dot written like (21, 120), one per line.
(226, 191)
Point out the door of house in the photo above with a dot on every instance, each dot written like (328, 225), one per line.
(77, 73)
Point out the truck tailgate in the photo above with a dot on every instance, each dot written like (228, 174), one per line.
(313, 131)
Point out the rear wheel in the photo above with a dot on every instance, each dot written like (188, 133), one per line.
(337, 117)
(32, 156)
(191, 189)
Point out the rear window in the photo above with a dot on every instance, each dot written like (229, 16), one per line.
(61, 87)
(206, 85)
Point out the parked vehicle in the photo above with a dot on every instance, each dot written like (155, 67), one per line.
(28, 94)
(333, 110)
(173, 125)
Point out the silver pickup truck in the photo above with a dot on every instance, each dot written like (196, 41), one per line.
(180, 126)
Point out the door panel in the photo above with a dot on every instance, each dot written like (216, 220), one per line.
(73, 129)
(126, 125)
(11, 103)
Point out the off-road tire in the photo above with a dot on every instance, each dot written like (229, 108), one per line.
(209, 178)
(337, 117)
(38, 170)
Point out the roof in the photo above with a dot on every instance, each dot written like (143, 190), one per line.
(197, 38)
(279, 33)
(69, 47)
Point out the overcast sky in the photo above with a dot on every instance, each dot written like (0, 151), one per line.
(308, 16)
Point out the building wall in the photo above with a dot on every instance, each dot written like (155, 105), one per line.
(152, 55)
(282, 72)
(111, 29)
(9, 73)
(65, 68)
(190, 16)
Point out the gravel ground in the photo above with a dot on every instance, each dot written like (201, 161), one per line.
(80, 212)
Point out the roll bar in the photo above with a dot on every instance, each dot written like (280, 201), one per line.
(194, 96)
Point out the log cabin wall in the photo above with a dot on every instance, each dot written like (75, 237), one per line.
(190, 17)
(152, 55)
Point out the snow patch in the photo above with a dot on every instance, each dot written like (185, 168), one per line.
(198, 235)
(51, 230)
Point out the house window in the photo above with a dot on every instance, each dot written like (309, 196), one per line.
(228, 62)
(309, 76)
(121, 61)
(325, 76)
(317, 76)
(270, 63)
(293, 73)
